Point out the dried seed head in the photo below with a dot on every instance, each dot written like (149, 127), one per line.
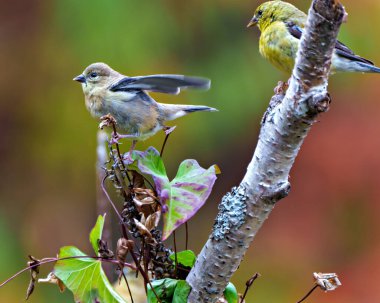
(327, 281)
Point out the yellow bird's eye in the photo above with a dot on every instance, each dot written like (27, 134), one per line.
(259, 13)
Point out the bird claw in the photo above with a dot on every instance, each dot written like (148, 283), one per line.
(168, 130)
(127, 158)
(115, 139)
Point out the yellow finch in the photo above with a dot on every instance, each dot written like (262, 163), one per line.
(126, 99)
(281, 25)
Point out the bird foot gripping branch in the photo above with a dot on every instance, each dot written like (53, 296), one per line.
(279, 94)
(109, 121)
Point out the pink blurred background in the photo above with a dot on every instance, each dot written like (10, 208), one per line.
(328, 223)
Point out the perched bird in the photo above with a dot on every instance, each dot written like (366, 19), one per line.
(126, 99)
(281, 25)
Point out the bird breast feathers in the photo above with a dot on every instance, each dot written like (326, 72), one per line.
(278, 46)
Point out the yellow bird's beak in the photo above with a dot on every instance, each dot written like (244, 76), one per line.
(253, 22)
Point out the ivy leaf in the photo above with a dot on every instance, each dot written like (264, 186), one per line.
(231, 294)
(184, 195)
(84, 277)
(186, 258)
(96, 233)
(181, 292)
(163, 288)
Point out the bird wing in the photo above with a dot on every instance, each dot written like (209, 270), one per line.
(168, 84)
(340, 49)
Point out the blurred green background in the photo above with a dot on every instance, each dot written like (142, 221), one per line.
(329, 222)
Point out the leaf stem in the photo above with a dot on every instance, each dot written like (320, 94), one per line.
(175, 254)
(51, 260)
(164, 144)
(126, 282)
(118, 151)
(308, 294)
(110, 200)
(248, 285)
(187, 235)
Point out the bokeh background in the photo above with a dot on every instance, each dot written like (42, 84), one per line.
(329, 222)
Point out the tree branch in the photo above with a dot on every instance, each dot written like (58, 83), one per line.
(243, 211)
(102, 204)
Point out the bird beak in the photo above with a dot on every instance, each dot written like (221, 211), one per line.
(253, 22)
(81, 78)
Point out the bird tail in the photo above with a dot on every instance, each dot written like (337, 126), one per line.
(353, 63)
(368, 68)
(174, 111)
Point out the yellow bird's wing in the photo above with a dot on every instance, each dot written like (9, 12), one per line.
(340, 49)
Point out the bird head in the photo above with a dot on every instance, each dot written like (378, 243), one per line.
(272, 11)
(96, 75)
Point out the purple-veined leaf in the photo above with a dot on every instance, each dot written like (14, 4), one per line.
(184, 195)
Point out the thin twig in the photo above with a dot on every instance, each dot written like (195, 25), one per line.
(118, 152)
(51, 260)
(125, 234)
(110, 200)
(126, 282)
(102, 204)
(134, 257)
(141, 254)
(163, 145)
(133, 254)
(186, 235)
(165, 140)
(123, 226)
(175, 254)
(308, 294)
(248, 285)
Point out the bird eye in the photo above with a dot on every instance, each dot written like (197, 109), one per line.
(93, 75)
(259, 13)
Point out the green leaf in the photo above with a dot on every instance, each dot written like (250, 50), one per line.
(186, 258)
(85, 278)
(96, 233)
(163, 288)
(181, 292)
(184, 195)
(169, 291)
(151, 161)
(231, 294)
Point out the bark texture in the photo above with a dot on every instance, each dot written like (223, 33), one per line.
(284, 127)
